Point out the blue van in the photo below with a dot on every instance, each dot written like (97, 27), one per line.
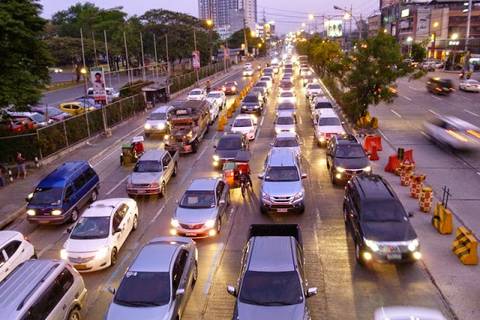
(60, 195)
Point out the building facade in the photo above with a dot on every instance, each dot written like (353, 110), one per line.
(374, 25)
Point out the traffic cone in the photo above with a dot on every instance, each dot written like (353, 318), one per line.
(374, 153)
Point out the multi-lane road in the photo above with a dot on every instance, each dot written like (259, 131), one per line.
(346, 290)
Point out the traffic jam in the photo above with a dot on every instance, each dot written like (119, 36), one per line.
(160, 280)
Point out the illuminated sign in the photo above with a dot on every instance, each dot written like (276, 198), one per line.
(334, 28)
(405, 13)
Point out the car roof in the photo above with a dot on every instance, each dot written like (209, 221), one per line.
(373, 186)
(203, 184)
(328, 115)
(215, 91)
(155, 256)
(285, 135)
(244, 116)
(59, 176)
(6, 235)
(281, 158)
(346, 139)
(153, 155)
(321, 99)
(272, 254)
(284, 114)
(196, 89)
(231, 135)
(104, 208)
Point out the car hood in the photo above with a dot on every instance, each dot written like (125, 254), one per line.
(145, 177)
(243, 130)
(254, 312)
(250, 103)
(195, 216)
(226, 154)
(118, 312)
(155, 122)
(285, 127)
(352, 163)
(85, 245)
(330, 129)
(388, 231)
(212, 100)
(286, 188)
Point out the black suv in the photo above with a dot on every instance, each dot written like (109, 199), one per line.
(345, 158)
(440, 86)
(252, 103)
(377, 222)
(228, 147)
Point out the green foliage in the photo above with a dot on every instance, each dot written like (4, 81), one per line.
(24, 58)
(325, 56)
(419, 53)
(238, 38)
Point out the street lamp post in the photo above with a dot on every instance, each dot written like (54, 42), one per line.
(349, 15)
(209, 23)
(409, 42)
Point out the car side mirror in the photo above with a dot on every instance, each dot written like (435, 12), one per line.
(180, 292)
(221, 202)
(304, 175)
(260, 175)
(119, 229)
(311, 292)
(111, 290)
(231, 290)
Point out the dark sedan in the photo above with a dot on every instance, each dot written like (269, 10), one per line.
(227, 148)
(230, 88)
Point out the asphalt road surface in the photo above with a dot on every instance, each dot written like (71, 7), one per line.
(345, 290)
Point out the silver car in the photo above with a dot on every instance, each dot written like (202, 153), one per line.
(157, 121)
(453, 133)
(282, 188)
(159, 282)
(202, 209)
(287, 140)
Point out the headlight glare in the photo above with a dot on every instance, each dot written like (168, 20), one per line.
(63, 254)
(210, 223)
(56, 212)
(413, 245)
(216, 158)
(174, 223)
(340, 169)
(31, 212)
(372, 245)
(147, 126)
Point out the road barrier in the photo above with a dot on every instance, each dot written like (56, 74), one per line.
(426, 199)
(372, 144)
(394, 161)
(442, 219)
(465, 246)
(222, 121)
(416, 185)
(406, 173)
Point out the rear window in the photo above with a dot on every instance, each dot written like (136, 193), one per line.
(143, 289)
(286, 143)
(286, 106)
(323, 105)
(229, 144)
(286, 94)
(250, 98)
(148, 166)
(285, 120)
(329, 122)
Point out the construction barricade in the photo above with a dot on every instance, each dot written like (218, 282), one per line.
(394, 161)
(465, 246)
(426, 199)
(416, 185)
(442, 219)
(406, 173)
(372, 144)
(222, 121)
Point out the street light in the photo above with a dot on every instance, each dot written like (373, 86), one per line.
(209, 23)
(252, 33)
(348, 15)
(311, 17)
(304, 24)
(454, 36)
(435, 24)
(409, 42)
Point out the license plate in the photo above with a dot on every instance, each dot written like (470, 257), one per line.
(282, 210)
(394, 256)
(80, 266)
(140, 191)
(190, 234)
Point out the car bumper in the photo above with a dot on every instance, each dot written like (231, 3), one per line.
(156, 131)
(143, 191)
(49, 219)
(296, 206)
(245, 109)
(92, 265)
(403, 257)
(194, 233)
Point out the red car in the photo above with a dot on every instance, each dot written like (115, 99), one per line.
(17, 125)
(230, 88)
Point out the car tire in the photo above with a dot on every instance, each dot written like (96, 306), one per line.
(302, 209)
(74, 215)
(333, 179)
(194, 146)
(174, 174)
(113, 257)
(195, 274)
(263, 209)
(358, 254)
(74, 315)
(162, 190)
(135, 223)
(94, 196)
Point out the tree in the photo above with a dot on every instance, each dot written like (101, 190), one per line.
(25, 58)
(373, 68)
(419, 53)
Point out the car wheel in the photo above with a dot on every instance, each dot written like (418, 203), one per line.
(94, 196)
(113, 257)
(74, 315)
(358, 254)
(135, 223)
(174, 170)
(263, 209)
(194, 146)
(195, 274)
(74, 215)
(162, 190)
(332, 178)
(219, 225)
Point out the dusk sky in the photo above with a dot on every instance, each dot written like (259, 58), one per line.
(288, 14)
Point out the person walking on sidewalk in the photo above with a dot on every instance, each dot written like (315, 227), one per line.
(21, 166)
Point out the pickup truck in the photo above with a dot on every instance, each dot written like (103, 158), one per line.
(152, 172)
(272, 284)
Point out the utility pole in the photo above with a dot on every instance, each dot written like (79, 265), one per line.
(94, 48)
(85, 78)
(143, 57)
(108, 59)
(156, 57)
(126, 56)
(167, 57)
(245, 33)
(195, 46)
(469, 18)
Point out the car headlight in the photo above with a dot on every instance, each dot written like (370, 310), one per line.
(30, 196)
(102, 253)
(216, 158)
(292, 130)
(31, 212)
(298, 196)
(210, 223)
(413, 245)
(161, 126)
(340, 169)
(174, 223)
(265, 196)
(372, 245)
(278, 130)
(147, 126)
(56, 212)
(63, 254)
(367, 169)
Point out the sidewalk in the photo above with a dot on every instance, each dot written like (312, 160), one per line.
(12, 196)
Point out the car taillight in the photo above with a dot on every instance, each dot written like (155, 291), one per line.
(233, 88)
(223, 88)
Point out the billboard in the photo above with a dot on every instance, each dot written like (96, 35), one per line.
(423, 22)
(334, 28)
(97, 77)
(196, 59)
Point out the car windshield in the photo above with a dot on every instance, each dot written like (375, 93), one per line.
(47, 196)
(382, 211)
(286, 106)
(261, 84)
(198, 199)
(329, 122)
(148, 166)
(285, 120)
(214, 95)
(229, 144)
(230, 84)
(195, 93)
(323, 105)
(286, 142)
(52, 112)
(37, 117)
(250, 99)
(243, 123)
(286, 94)
(143, 289)
(271, 288)
(350, 151)
(282, 174)
(157, 116)
(91, 228)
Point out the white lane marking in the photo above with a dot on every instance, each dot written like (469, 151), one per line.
(435, 113)
(261, 121)
(478, 173)
(472, 113)
(405, 97)
(116, 186)
(384, 136)
(396, 113)
(157, 214)
(260, 126)
(119, 268)
(213, 268)
(423, 133)
(436, 97)
(414, 89)
(201, 154)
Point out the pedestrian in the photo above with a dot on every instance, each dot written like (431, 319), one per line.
(21, 167)
(3, 171)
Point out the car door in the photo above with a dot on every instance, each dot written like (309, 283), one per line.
(355, 215)
(330, 152)
(180, 280)
(14, 254)
(119, 231)
(167, 166)
(127, 220)
(221, 198)
(71, 197)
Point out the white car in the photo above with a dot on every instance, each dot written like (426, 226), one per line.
(157, 121)
(245, 124)
(326, 127)
(287, 140)
(285, 122)
(197, 94)
(313, 90)
(287, 107)
(453, 132)
(14, 250)
(305, 72)
(248, 65)
(287, 96)
(248, 72)
(469, 85)
(319, 104)
(268, 80)
(100, 233)
(401, 312)
(111, 93)
(217, 101)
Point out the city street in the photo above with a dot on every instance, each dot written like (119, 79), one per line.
(346, 291)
